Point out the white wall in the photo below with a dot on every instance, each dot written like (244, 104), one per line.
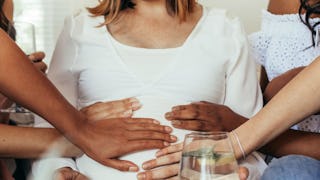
(249, 11)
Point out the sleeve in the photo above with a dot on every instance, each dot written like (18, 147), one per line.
(259, 43)
(243, 93)
(60, 74)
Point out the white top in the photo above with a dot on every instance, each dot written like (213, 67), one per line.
(284, 43)
(212, 65)
(145, 64)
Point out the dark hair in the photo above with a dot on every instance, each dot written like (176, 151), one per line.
(309, 8)
(5, 24)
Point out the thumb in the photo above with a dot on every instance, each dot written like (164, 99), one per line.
(121, 165)
(243, 173)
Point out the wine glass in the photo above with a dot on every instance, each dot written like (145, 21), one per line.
(208, 156)
(25, 39)
(25, 36)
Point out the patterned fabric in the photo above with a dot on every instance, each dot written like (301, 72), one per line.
(284, 43)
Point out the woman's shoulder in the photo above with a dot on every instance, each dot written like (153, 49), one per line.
(83, 27)
(281, 7)
(223, 20)
(83, 18)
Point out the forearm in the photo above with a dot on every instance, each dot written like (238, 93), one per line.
(294, 142)
(30, 88)
(22, 142)
(26, 142)
(278, 83)
(295, 101)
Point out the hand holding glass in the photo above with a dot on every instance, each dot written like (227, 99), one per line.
(208, 156)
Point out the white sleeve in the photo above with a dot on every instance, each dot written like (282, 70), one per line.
(60, 74)
(243, 93)
(60, 69)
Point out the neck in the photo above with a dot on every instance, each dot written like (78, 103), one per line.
(151, 7)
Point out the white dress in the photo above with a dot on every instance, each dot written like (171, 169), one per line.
(284, 43)
(212, 65)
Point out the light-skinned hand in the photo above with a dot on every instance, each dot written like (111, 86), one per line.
(166, 165)
(67, 173)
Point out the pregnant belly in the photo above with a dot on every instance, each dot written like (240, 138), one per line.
(152, 107)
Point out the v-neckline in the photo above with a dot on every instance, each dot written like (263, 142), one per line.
(169, 67)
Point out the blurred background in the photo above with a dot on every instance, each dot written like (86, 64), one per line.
(48, 16)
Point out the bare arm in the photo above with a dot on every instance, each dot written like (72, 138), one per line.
(298, 99)
(26, 83)
(25, 142)
(291, 141)
(30, 88)
(263, 79)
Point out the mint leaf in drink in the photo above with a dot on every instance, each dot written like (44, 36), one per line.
(203, 153)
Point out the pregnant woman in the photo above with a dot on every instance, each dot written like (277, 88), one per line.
(162, 52)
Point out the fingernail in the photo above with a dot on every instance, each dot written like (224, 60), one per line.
(168, 129)
(145, 166)
(168, 115)
(175, 108)
(166, 144)
(128, 113)
(141, 176)
(173, 138)
(176, 122)
(136, 105)
(133, 169)
(133, 100)
(156, 122)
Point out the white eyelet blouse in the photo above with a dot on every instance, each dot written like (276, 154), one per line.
(284, 43)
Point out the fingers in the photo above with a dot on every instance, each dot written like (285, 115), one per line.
(67, 173)
(148, 127)
(194, 125)
(113, 109)
(41, 66)
(173, 178)
(160, 173)
(243, 173)
(171, 149)
(141, 120)
(139, 145)
(199, 111)
(144, 135)
(163, 160)
(121, 165)
(36, 56)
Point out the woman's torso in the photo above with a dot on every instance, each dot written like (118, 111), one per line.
(199, 70)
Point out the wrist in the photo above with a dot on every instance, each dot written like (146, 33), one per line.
(71, 128)
(232, 120)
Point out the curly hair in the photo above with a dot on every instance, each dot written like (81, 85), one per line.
(111, 8)
(5, 24)
(309, 8)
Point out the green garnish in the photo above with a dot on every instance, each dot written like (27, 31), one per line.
(204, 153)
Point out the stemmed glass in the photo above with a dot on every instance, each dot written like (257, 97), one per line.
(208, 156)
(25, 39)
